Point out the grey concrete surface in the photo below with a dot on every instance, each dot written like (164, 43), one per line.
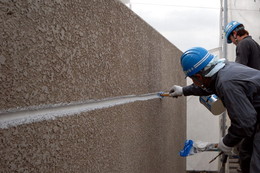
(55, 52)
(136, 137)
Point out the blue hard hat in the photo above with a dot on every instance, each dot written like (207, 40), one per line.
(194, 60)
(229, 28)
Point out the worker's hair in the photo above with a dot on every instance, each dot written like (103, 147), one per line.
(241, 30)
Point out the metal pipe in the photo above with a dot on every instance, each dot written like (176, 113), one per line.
(224, 115)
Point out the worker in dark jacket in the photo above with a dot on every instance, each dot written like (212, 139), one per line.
(238, 87)
(247, 50)
(247, 53)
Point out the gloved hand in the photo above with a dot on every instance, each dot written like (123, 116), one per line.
(221, 146)
(176, 91)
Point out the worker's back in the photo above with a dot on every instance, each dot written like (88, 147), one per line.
(248, 53)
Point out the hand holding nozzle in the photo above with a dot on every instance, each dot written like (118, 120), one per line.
(176, 91)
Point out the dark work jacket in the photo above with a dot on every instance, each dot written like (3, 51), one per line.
(238, 87)
(248, 53)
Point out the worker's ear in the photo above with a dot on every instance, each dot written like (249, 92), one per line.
(198, 76)
(234, 33)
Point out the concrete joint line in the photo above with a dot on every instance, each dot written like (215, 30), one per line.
(15, 117)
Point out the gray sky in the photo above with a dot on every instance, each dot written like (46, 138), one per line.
(185, 23)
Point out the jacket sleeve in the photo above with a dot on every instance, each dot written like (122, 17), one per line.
(241, 112)
(195, 90)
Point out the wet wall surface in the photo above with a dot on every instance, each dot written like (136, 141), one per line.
(55, 52)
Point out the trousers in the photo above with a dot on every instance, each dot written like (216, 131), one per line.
(249, 153)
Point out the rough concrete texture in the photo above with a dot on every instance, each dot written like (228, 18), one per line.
(63, 51)
(133, 138)
(56, 52)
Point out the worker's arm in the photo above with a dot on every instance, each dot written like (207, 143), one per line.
(241, 112)
(195, 90)
(177, 90)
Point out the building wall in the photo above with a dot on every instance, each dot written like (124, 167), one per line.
(58, 59)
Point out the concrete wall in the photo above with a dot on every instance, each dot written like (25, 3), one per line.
(63, 65)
